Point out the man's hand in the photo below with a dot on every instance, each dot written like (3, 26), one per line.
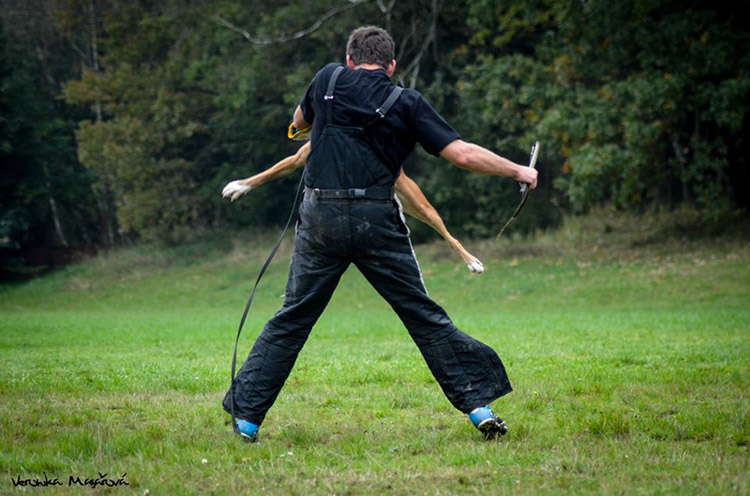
(235, 189)
(527, 175)
(478, 159)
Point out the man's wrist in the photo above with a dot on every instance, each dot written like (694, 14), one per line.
(517, 172)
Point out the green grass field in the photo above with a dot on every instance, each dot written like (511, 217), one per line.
(630, 362)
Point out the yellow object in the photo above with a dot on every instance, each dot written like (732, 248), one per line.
(298, 134)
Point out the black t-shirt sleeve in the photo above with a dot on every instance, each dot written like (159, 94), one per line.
(430, 129)
(306, 103)
(314, 89)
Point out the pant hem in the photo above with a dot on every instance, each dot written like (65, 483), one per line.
(490, 400)
(240, 416)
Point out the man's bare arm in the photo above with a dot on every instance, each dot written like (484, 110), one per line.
(299, 119)
(478, 159)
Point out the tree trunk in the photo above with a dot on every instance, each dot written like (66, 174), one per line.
(106, 231)
(103, 194)
(94, 55)
(679, 152)
(53, 209)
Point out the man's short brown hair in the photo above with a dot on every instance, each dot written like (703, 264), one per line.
(371, 45)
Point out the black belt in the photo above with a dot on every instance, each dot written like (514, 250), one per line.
(375, 193)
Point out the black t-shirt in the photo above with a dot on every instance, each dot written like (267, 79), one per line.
(358, 93)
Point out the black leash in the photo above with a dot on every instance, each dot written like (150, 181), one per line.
(252, 294)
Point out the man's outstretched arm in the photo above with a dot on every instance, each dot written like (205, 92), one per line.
(478, 159)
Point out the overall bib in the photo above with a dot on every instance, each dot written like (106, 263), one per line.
(349, 215)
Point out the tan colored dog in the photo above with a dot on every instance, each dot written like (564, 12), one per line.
(408, 193)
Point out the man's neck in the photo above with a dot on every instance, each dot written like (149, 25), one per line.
(369, 67)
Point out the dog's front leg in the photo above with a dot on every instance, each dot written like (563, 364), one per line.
(239, 187)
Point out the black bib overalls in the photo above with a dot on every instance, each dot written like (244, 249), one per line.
(349, 215)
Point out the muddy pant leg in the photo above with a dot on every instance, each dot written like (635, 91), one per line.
(312, 279)
(469, 372)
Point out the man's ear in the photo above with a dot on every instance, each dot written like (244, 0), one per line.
(391, 67)
(349, 61)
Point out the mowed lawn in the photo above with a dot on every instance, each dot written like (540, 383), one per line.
(631, 371)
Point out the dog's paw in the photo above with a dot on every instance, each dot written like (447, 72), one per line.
(475, 266)
(235, 189)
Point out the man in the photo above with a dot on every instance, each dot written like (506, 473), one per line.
(363, 128)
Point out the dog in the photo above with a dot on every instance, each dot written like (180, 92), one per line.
(408, 194)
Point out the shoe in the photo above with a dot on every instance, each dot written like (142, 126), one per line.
(489, 424)
(247, 430)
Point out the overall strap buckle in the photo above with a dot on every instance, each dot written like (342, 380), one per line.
(381, 111)
(329, 93)
(388, 103)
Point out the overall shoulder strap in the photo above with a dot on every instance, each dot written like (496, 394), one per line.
(329, 93)
(386, 106)
(380, 113)
(388, 103)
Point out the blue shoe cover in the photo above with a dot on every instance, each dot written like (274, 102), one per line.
(480, 415)
(247, 430)
(489, 424)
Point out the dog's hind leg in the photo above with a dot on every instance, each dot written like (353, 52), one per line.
(415, 204)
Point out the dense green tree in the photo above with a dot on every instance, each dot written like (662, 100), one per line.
(189, 100)
(638, 103)
(45, 195)
(641, 102)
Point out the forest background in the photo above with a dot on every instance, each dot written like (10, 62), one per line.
(122, 120)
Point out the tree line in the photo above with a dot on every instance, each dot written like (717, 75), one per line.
(123, 119)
